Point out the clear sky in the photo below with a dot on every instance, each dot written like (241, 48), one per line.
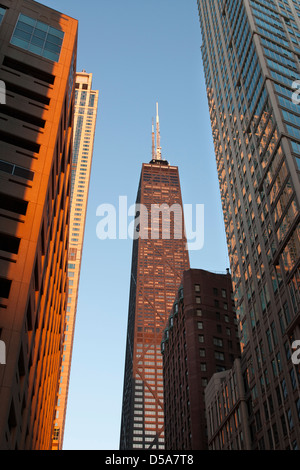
(140, 52)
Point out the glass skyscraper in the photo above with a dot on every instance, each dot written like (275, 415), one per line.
(251, 51)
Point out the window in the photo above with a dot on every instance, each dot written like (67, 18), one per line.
(258, 420)
(15, 170)
(293, 379)
(13, 204)
(269, 340)
(298, 408)
(56, 434)
(218, 342)
(4, 287)
(200, 325)
(9, 243)
(38, 37)
(290, 419)
(28, 70)
(284, 389)
(278, 394)
(2, 13)
(197, 288)
(286, 313)
(92, 100)
(283, 424)
(219, 355)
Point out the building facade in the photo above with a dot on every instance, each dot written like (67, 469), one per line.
(38, 50)
(86, 105)
(200, 339)
(227, 411)
(251, 62)
(158, 260)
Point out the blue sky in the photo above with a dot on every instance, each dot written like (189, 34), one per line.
(140, 52)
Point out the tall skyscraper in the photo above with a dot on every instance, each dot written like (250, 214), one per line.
(86, 104)
(158, 260)
(38, 63)
(251, 60)
(200, 339)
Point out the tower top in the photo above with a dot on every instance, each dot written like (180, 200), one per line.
(153, 141)
(156, 148)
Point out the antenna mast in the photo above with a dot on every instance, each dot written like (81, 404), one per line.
(153, 141)
(158, 148)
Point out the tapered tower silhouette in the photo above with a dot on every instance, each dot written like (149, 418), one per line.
(158, 260)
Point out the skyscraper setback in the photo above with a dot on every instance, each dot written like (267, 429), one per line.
(38, 62)
(158, 260)
(251, 59)
(86, 104)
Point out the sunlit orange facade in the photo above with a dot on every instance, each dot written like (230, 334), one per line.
(157, 267)
(85, 116)
(38, 62)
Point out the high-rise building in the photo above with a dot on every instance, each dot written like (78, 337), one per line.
(251, 61)
(227, 411)
(86, 104)
(200, 339)
(38, 63)
(159, 258)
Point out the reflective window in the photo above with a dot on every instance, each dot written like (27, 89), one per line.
(38, 37)
(92, 100)
(2, 13)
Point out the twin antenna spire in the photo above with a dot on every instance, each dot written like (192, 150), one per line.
(156, 152)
